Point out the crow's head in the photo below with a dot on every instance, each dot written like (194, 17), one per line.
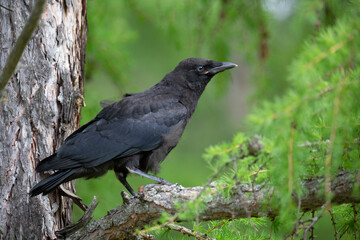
(198, 71)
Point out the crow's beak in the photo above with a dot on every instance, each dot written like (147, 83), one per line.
(224, 66)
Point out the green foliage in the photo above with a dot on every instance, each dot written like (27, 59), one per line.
(238, 229)
(237, 163)
(314, 126)
(318, 118)
(256, 228)
(195, 28)
(344, 219)
(101, 53)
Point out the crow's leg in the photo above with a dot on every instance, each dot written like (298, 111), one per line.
(122, 179)
(143, 174)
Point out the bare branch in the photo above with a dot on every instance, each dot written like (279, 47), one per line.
(21, 43)
(311, 225)
(334, 224)
(83, 221)
(135, 213)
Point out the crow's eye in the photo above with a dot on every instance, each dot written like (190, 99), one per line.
(200, 68)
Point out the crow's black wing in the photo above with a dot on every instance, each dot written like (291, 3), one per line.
(120, 130)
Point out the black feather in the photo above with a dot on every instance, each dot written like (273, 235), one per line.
(48, 184)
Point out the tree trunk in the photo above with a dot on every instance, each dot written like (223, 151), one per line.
(40, 106)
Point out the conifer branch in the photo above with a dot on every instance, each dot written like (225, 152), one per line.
(135, 213)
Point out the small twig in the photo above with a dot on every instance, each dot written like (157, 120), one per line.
(291, 158)
(298, 220)
(217, 226)
(258, 171)
(83, 221)
(271, 229)
(76, 199)
(228, 150)
(311, 225)
(9, 9)
(237, 182)
(334, 223)
(21, 43)
(187, 231)
(355, 213)
(312, 228)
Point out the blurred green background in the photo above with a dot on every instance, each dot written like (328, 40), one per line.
(133, 44)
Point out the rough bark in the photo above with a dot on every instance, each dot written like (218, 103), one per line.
(246, 201)
(39, 107)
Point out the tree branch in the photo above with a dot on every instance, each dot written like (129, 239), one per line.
(83, 221)
(135, 213)
(21, 43)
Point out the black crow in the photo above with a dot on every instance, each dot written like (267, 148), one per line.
(135, 134)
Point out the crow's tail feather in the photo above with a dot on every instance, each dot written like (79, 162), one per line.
(46, 164)
(48, 184)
